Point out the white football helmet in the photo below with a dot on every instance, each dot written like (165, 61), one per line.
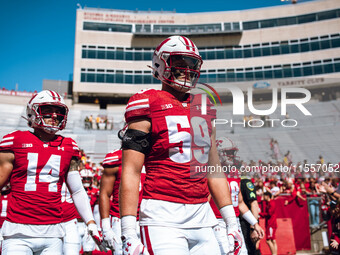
(226, 150)
(86, 177)
(176, 62)
(36, 118)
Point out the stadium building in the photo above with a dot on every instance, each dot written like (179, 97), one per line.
(294, 45)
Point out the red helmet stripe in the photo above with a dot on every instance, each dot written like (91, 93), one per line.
(162, 43)
(192, 45)
(186, 42)
(32, 98)
(55, 95)
(59, 97)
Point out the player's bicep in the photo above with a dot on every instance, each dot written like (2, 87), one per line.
(74, 164)
(108, 179)
(6, 166)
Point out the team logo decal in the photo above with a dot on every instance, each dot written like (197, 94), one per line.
(250, 186)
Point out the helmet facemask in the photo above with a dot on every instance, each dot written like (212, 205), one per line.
(39, 115)
(181, 70)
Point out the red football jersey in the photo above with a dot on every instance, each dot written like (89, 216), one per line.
(234, 186)
(67, 205)
(4, 199)
(38, 173)
(180, 141)
(114, 159)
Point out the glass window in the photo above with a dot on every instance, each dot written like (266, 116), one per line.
(304, 47)
(286, 21)
(147, 55)
(238, 53)
(84, 54)
(277, 73)
(317, 69)
(203, 55)
(337, 67)
(120, 54)
(307, 70)
(147, 79)
(221, 77)
(250, 25)
(315, 45)
(306, 18)
(230, 76)
(327, 15)
(268, 23)
(247, 53)
(335, 42)
(91, 54)
(109, 78)
(236, 26)
(212, 77)
(128, 78)
(297, 72)
(100, 77)
(268, 74)
(211, 54)
(257, 52)
(90, 77)
(287, 72)
(220, 54)
(249, 76)
(227, 26)
(203, 78)
(138, 55)
(138, 79)
(229, 54)
(276, 50)
(119, 77)
(285, 49)
(83, 77)
(110, 55)
(101, 54)
(294, 48)
(128, 55)
(258, 75)
(240, 76)
(325, 44)
(328, 68)
(265, 51)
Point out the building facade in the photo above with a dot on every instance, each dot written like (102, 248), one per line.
(292, 45)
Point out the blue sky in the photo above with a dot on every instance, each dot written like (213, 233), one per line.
(37, 37)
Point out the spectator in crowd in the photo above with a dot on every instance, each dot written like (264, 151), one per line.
(273, 188)
(335, 223)
(321, 159)
(251, 237)
(314, 204)
(97, 121)
(87, 124)
(270, 222)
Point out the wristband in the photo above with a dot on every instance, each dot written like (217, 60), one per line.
(228, 215)
(249, 217)
(332, 194)
(106, 225)
(128, 224)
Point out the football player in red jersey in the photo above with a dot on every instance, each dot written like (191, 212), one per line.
(38, 163)
(4, 198)
(227, 153)
(109, 208)
(92, 194)
(71, 240)
(168, 134)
